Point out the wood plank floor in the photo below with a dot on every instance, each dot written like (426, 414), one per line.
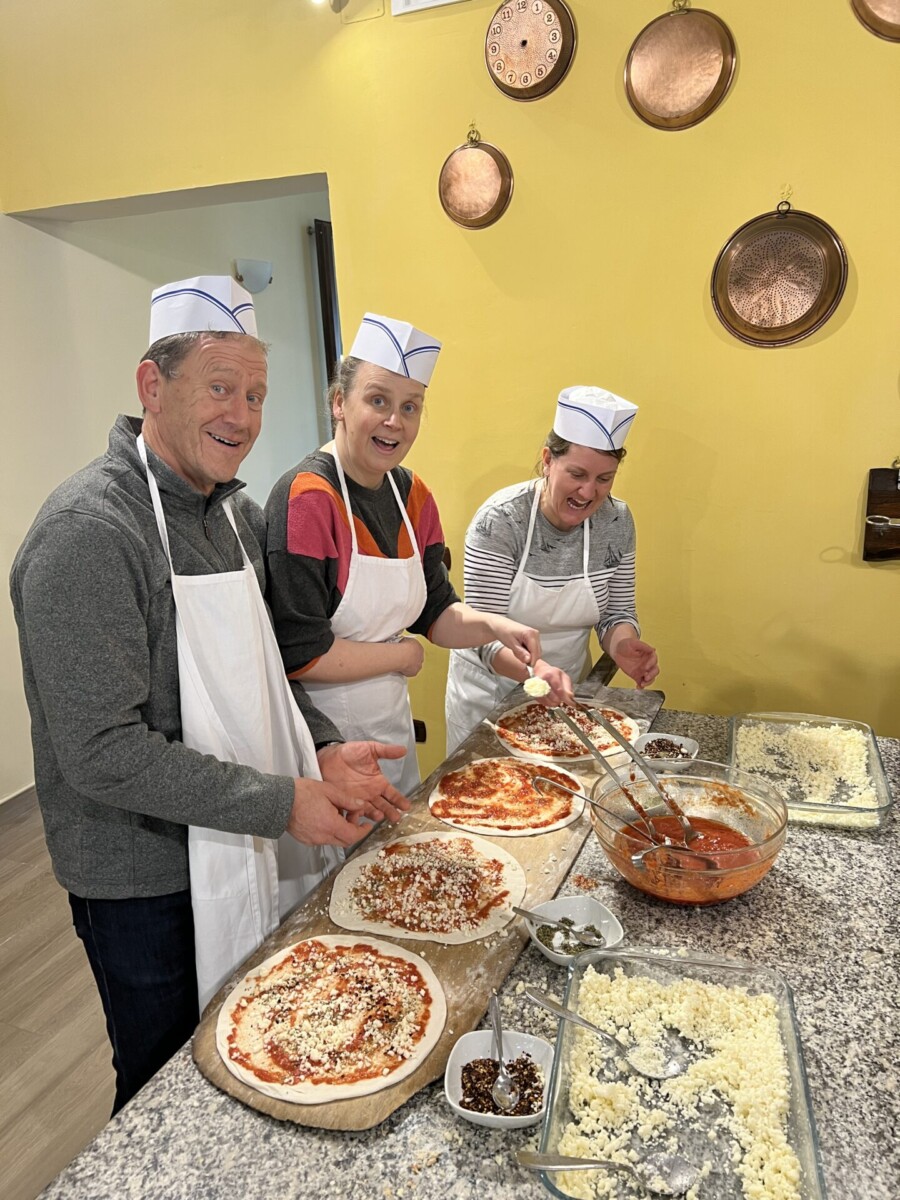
(58, 1081)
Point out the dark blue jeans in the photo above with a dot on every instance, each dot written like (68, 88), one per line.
(142, 954)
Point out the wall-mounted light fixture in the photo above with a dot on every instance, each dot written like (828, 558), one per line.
(253, 273)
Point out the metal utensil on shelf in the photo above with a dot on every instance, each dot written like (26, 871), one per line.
(883, 522)
(596, 941)
(659, 1174)
(665, 1069)
(504, 1090)
(690, 833)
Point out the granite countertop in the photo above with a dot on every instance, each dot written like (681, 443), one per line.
(824, 917)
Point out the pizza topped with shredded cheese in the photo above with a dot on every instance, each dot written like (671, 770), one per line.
(443, 887)
(533, 730)
(500, 796)
(331, 1018)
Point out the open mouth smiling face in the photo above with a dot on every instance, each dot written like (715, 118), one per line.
(204, 420)
(576, 484)
(377, 423)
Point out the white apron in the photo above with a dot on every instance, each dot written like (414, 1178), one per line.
(564, 618)
(382, 597)
(236, 704)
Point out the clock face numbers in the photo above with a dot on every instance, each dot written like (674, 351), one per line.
(529, 47)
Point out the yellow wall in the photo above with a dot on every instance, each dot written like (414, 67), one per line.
(747, 467)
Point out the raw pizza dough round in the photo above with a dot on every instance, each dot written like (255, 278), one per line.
(377, 967)
(498, 774)
(625, 725)
(512, 881)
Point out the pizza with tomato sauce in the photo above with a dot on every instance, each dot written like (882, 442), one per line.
(439, 887)
(500, 796)
(331, 1018)
(531, 731)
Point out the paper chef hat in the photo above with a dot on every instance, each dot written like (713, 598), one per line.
(591, 416)
(397, 346)
(209, 302)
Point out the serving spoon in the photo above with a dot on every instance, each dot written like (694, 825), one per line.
(669, 1068)
(689, 833)
(580, 935)
(504, 1090)
(659, 1174)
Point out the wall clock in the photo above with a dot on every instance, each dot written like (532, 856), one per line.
(529, 47)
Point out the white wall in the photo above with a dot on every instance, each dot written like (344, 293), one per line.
(74, 313)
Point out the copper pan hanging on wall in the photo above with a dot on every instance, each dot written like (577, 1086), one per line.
(881, 17)
(680, 67)
(779, 277)
(476, 183)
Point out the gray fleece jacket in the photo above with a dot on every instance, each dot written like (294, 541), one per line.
(93, 602)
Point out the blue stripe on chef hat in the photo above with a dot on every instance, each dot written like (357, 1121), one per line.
(223, 308)
(607, 433)
(389, 335)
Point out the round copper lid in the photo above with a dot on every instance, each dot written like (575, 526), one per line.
(680, 67)
(475, 184)
(779, 277)
(880, 16)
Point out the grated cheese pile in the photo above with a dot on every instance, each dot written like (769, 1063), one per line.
(430, 887)
(727, 1113)
(821, 764)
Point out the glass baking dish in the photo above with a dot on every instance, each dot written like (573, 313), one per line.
(668, 967)
(804, 798)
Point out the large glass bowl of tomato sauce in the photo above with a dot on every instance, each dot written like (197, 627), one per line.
(742, 820)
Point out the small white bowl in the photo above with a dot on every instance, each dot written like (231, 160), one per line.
(583, 910)
(667, 764)
(480, 1044)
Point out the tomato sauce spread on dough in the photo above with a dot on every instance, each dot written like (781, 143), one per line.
(434, 886)
(534, 729)
(329, 1015)
(500, 793)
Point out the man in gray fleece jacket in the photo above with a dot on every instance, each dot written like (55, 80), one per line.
(116, 785)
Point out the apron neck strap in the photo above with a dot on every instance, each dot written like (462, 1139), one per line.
(156, 500)
(346, 495)
(532, 520)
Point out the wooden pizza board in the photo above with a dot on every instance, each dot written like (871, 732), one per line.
(468, 973)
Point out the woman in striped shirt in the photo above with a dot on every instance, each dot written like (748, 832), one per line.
(558, 553)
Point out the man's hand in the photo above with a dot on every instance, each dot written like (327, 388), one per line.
(637, 659)
(316, 818)
(353, 768)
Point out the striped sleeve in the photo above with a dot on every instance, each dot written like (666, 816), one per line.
(620, 600)
(491, 561)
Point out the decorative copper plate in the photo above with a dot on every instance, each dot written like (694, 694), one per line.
(475, 184)
(680, 67)
(882, 17)
(779, 277)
